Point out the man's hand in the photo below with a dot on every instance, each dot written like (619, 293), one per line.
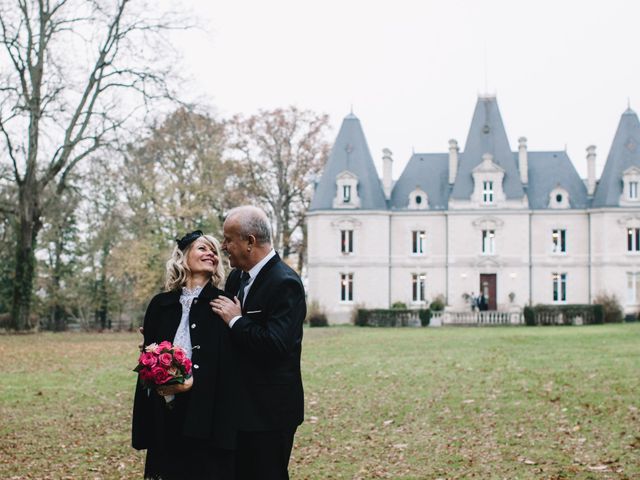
(226, 308)
(175, 388)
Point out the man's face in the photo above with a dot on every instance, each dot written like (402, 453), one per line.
(235, 246)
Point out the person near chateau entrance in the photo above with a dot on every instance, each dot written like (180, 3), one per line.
(265, 321)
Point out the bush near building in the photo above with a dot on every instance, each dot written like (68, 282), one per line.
(572, 314)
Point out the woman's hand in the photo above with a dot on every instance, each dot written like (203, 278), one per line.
(175, 388)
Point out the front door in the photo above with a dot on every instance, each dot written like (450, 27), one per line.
(488, 291)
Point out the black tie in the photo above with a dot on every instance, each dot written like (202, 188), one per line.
(244, 279)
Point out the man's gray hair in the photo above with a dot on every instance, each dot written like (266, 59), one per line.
(252, 221)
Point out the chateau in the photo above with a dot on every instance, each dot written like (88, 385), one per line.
(520, 227)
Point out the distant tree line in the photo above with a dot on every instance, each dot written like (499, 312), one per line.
(94, 186)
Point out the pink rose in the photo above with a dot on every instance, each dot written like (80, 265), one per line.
(160, 375)
(164, 346)
(165, 359)
(173, 371)
(146, 376)
(187, 366)
(179, 356)
(148, 359)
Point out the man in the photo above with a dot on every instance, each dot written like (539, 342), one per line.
(265, 319)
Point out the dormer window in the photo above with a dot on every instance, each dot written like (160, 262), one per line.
(346, 191)
(559, 198)
(630, 181)
(487, 179)
(418, 200)
(487, 191)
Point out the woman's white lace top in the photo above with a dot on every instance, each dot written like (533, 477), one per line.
(183, 335)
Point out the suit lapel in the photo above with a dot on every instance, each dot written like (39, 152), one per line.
(262, 275)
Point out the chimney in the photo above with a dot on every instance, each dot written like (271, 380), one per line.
(591, 169)
(453, 160)
(387, 172)
(523, 161)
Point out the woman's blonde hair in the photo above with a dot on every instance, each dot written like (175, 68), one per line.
(178, 272)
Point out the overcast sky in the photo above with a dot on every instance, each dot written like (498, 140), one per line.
(562, 71)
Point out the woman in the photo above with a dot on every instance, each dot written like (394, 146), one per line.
(195, 438)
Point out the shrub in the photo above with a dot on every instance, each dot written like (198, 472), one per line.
(316, 316)
(381, 317)
(318, 320)
(425, 317)
(399, 306)
(529, 316)
(612, 310)
(437, 304)
(562, 314)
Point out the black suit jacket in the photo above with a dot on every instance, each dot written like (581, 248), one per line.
(268, 338)
(211, 400)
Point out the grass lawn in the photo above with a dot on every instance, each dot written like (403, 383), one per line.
(448, 403)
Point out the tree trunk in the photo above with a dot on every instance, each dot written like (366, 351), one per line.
(57, 312)
(29, 225)
(103, 294)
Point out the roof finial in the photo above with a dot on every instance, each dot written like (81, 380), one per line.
(352, 109)
(486, 74)
(629, 103)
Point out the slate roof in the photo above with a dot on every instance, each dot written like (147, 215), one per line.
(624, 153)
(547, 170)
(350, 152)
(487, 135)
(429, 172)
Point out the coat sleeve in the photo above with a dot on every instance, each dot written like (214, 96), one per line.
(142, 421)
(282, 331)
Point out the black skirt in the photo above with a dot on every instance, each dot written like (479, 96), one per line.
(174, 456)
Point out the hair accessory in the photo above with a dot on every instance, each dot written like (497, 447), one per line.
(185, 241)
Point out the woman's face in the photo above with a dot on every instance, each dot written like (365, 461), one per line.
(202, 258)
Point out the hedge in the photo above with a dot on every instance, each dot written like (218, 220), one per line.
(395, 317)
(563, 314)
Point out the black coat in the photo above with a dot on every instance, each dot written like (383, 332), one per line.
(210, 407)
(268, 338)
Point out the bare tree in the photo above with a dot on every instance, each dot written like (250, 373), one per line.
(74, 73)
(280, 153)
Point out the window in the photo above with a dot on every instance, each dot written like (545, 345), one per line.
(559, 240)
(633, 239)
(559, 287)
(633, 190)
(633, 288)
(346, 287)
(488, 242)
(487, 191)
(417, 242)
(346, 241)
(346, 193)
(419, 280)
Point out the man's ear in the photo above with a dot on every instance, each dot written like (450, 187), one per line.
(251, 240)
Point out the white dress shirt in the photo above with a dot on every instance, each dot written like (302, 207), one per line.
(253, 273)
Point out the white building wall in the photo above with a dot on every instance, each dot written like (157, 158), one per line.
(383, 263)
(369, 262)
(404, 263)
(610, 256)
(509, 261)
(575, 262)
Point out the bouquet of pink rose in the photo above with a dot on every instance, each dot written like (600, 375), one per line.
(163, 364)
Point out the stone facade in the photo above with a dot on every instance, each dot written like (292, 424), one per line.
(521, 227)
